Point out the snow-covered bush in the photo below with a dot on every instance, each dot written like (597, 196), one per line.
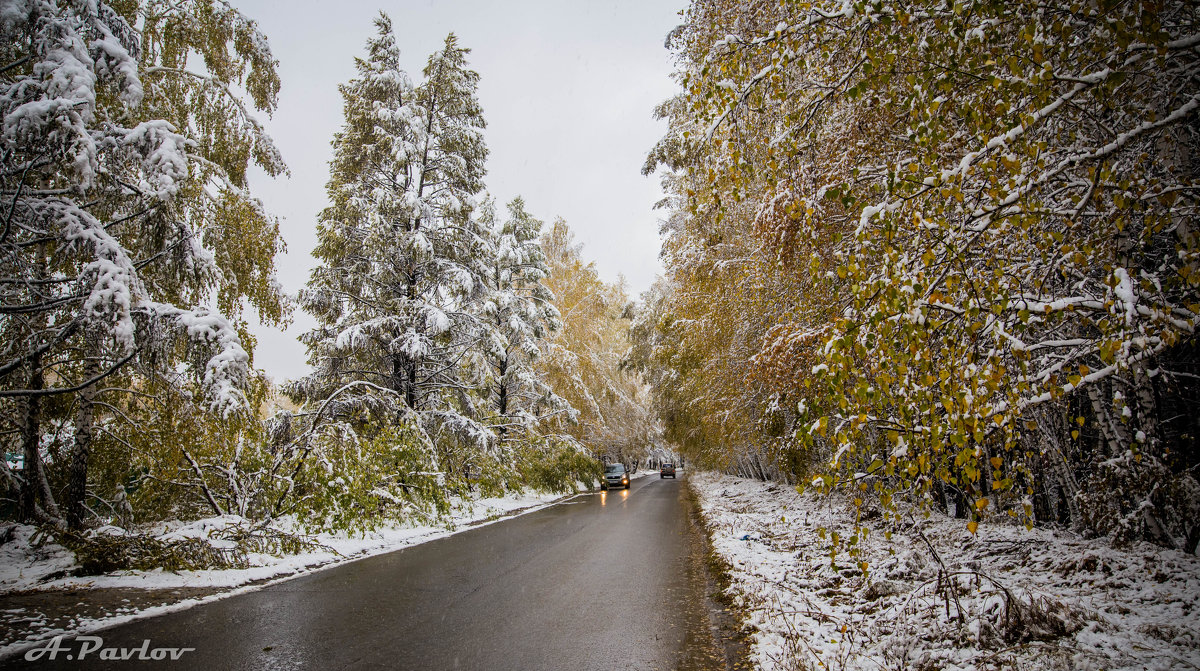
(556, 466)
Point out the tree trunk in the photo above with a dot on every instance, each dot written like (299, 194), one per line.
(404, 378)
(1057, 463)
(958, 500)
(1147, 405)
(48, 503)
(1114, 435)
(30, 441)
(407, 366)
(502, 393)
(941, 494)
(410, 393)
(85, 419)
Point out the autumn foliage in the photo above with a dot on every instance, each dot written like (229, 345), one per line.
(947, 250)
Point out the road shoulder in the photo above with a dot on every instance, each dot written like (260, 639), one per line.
(937, 595)
(716, 637)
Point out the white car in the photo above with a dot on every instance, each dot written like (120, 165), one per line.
(615, 477)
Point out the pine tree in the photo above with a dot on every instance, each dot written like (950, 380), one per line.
(403, 261)
(522, 312)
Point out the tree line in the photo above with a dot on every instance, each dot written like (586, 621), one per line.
(944, 252)
(459, 348)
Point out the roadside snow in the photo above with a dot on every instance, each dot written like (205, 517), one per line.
(1041, 599)
(25, 559)
(31, 564)
(28, 564)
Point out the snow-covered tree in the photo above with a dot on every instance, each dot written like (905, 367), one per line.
(112, 249)
(206, 68)
(404, 263)
(521, 311)
(985, 214)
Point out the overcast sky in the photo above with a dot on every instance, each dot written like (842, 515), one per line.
(568, 89)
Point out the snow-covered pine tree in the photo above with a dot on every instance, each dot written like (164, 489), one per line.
(403, 262)
(101, 265)
(521, 310)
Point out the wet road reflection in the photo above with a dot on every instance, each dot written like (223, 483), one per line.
(585, 586)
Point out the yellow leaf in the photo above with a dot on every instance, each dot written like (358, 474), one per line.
(972, 526)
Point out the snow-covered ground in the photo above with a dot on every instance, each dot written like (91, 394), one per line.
(1006, 598)
(26, 564)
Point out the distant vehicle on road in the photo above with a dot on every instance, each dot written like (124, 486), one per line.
(615, 477)
(667, 469)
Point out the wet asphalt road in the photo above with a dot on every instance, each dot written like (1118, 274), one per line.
(599, 582)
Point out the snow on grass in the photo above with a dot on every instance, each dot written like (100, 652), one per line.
(26, 559)
(1005, 598)
(27, 563)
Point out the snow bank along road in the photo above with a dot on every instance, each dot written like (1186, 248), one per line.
(1040, 599)
(601, 581)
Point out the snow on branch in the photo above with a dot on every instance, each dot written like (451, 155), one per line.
(164, 157)
(114, 285)
(226, 364)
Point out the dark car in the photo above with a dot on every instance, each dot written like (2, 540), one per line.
(615, 477)
(667, 469)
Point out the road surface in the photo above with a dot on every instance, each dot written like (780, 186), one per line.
(603, 581)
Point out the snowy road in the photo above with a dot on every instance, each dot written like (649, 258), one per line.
(603, 581)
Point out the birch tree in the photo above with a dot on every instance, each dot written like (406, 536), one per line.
(993, 203)
(583, 361)
(112, 248)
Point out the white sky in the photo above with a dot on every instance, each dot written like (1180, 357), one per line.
(567, 87)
